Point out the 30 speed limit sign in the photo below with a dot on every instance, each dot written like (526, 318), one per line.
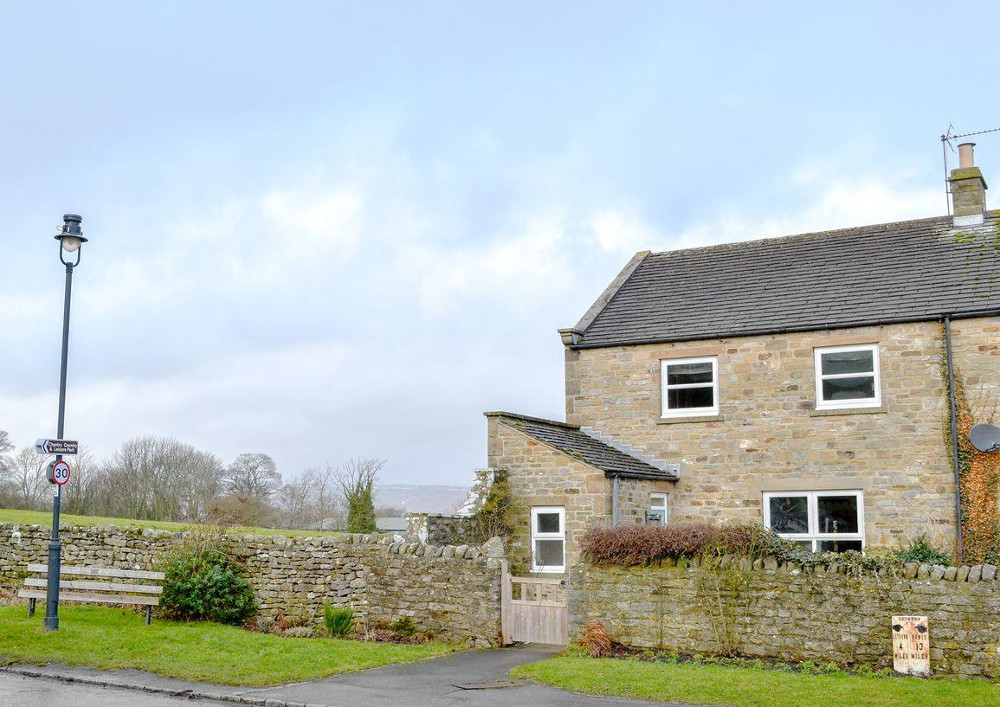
(58, 473)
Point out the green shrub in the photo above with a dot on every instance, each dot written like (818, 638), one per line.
(204, 584)
(361, 514)
(498, 515)
(920, 550)
(339, 621)
(404, 627)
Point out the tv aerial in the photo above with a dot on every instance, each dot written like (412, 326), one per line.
(947, 140)
(985, 438)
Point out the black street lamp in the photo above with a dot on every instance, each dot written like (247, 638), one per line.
(70, 239)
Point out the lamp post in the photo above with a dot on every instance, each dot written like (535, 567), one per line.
(71, 240)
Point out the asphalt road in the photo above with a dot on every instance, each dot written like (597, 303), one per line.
(21, 691)
(467, 679)
(470, 679)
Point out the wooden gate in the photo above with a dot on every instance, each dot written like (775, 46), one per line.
(534, 610)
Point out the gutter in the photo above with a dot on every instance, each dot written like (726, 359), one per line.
(952, 402)
(614, 501)
(784, 330)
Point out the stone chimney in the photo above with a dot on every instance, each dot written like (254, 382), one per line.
(968, 189)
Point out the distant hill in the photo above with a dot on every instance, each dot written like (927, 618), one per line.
(420, 498)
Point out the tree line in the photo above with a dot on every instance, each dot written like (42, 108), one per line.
(155, 478)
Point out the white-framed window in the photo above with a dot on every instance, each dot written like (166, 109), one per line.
(690, 386)
(657, 512)
(820, 521)
(548, 539)
(847, 377)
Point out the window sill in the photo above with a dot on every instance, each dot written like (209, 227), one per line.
(692, 418)
(880, 410)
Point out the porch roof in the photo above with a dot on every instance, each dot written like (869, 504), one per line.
(572, 441)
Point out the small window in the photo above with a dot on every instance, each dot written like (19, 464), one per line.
(820, 521)
(657, 512)
(690, 386)
(847, 377)
(548, 539)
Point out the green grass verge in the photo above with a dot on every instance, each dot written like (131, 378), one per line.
(11, 515)
(751, 687)
(112, 639)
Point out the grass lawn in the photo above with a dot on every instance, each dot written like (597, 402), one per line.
(111, 639)
(11, 515)
(751, 687)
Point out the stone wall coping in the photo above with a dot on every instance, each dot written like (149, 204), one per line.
(909, 570)
(391, 541)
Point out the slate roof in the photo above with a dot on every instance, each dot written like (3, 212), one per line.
(907, 271)
(570, 440)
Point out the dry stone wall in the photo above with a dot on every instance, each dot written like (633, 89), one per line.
(784, 611)
(442, 529)
(452, 593)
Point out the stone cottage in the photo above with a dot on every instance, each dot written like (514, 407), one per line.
(800, 381)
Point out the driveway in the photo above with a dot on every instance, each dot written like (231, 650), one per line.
(470, 679)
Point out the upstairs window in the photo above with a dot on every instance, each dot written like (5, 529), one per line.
(847, 377)
(690, 386)
(820, 521)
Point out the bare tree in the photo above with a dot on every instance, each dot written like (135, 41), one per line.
(324, 482)
(160, 479)
(294, 502)
(25, 478)
(6, 446)
(356, 479)
(81, 495)
(253, 475)
(312, 500)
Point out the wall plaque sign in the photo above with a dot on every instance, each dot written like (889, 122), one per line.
(911, 645)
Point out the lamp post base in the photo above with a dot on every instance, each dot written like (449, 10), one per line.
(52, 587)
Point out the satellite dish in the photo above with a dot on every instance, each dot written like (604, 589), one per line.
(985, 438)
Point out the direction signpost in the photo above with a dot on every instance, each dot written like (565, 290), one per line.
(57, 446)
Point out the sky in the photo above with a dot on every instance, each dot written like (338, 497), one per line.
(324, 230)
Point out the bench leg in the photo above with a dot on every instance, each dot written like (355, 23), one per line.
(31, 608)
(149, 614)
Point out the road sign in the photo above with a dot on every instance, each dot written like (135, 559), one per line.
(57, 446)
(58, 473)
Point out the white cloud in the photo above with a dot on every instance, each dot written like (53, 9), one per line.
(517, 267)
(313, 223)
(838, 203)
(231, 402)
(618, 231)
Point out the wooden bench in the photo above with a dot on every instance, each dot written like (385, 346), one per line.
(109, 592)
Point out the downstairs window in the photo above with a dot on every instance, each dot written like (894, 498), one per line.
(820, 521)
(548, 539)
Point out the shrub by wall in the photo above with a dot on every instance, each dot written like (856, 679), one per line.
(642, 544)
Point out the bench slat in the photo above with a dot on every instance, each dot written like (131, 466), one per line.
(97, 586)
(99, 572)
(94, 598)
